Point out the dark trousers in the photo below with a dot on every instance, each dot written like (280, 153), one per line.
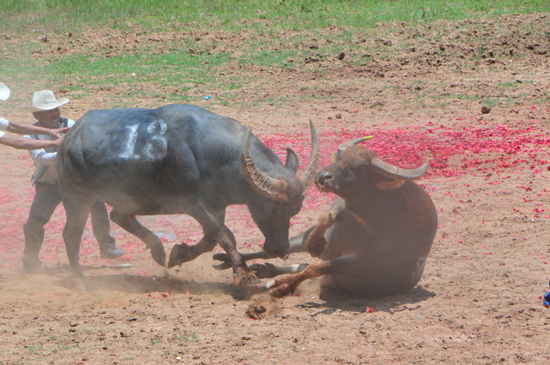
(45, 201)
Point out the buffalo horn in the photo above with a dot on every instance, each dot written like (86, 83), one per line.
(265, 185)
(345, 145)
(313, 164)
(397, 173)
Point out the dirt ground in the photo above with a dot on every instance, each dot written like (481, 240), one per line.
(479, 300)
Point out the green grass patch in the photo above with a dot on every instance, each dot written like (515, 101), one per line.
(169, 69)
(62, 15)
(305, 36)
(36, 349)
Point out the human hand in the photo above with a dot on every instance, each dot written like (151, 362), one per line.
(56, 133)
(57, 142)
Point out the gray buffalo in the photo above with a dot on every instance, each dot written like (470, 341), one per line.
(179, 159)
(373, 241)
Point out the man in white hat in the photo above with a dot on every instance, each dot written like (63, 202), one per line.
(45, 108)
(18, 128)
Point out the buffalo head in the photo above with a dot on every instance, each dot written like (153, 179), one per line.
(281, 191)
(357, 170)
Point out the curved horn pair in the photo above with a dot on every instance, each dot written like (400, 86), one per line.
(385, 169)
(273, 188)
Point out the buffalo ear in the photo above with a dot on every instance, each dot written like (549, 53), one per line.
(387, 184)
(291, 160)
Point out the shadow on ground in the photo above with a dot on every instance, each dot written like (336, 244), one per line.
(155, 284)
(335, 300)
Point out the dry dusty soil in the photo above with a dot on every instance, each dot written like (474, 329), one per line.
(479, 300)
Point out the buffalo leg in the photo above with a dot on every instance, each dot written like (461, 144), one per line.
(129, 223)
(316, 241)
(212, 227)
(268, 271)
(181, 253)
(343, 265)
(297, 244)
(242, 276)
(77, 208)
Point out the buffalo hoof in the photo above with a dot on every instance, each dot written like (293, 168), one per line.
(282, 287)
(243, 278)
(224, 266)
(179, 254)
(315, 246)
(78, 284)
(158, 254)
(222, 256)
(31, 269)
(76, 272)
(264, 271)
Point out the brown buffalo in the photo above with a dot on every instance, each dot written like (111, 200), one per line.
(374, 240)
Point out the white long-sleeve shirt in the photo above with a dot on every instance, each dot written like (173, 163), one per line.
(3, 125)
(45, 159)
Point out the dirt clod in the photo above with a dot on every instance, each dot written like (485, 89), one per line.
(485, 110)
(255, 311)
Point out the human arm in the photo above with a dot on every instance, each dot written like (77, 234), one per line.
(22, 143)
(20, 128)
(41, 157)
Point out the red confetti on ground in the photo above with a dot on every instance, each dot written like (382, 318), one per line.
(473, 147)
(408, 147)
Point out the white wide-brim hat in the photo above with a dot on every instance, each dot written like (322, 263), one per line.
(4, 92)
(45, 100)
